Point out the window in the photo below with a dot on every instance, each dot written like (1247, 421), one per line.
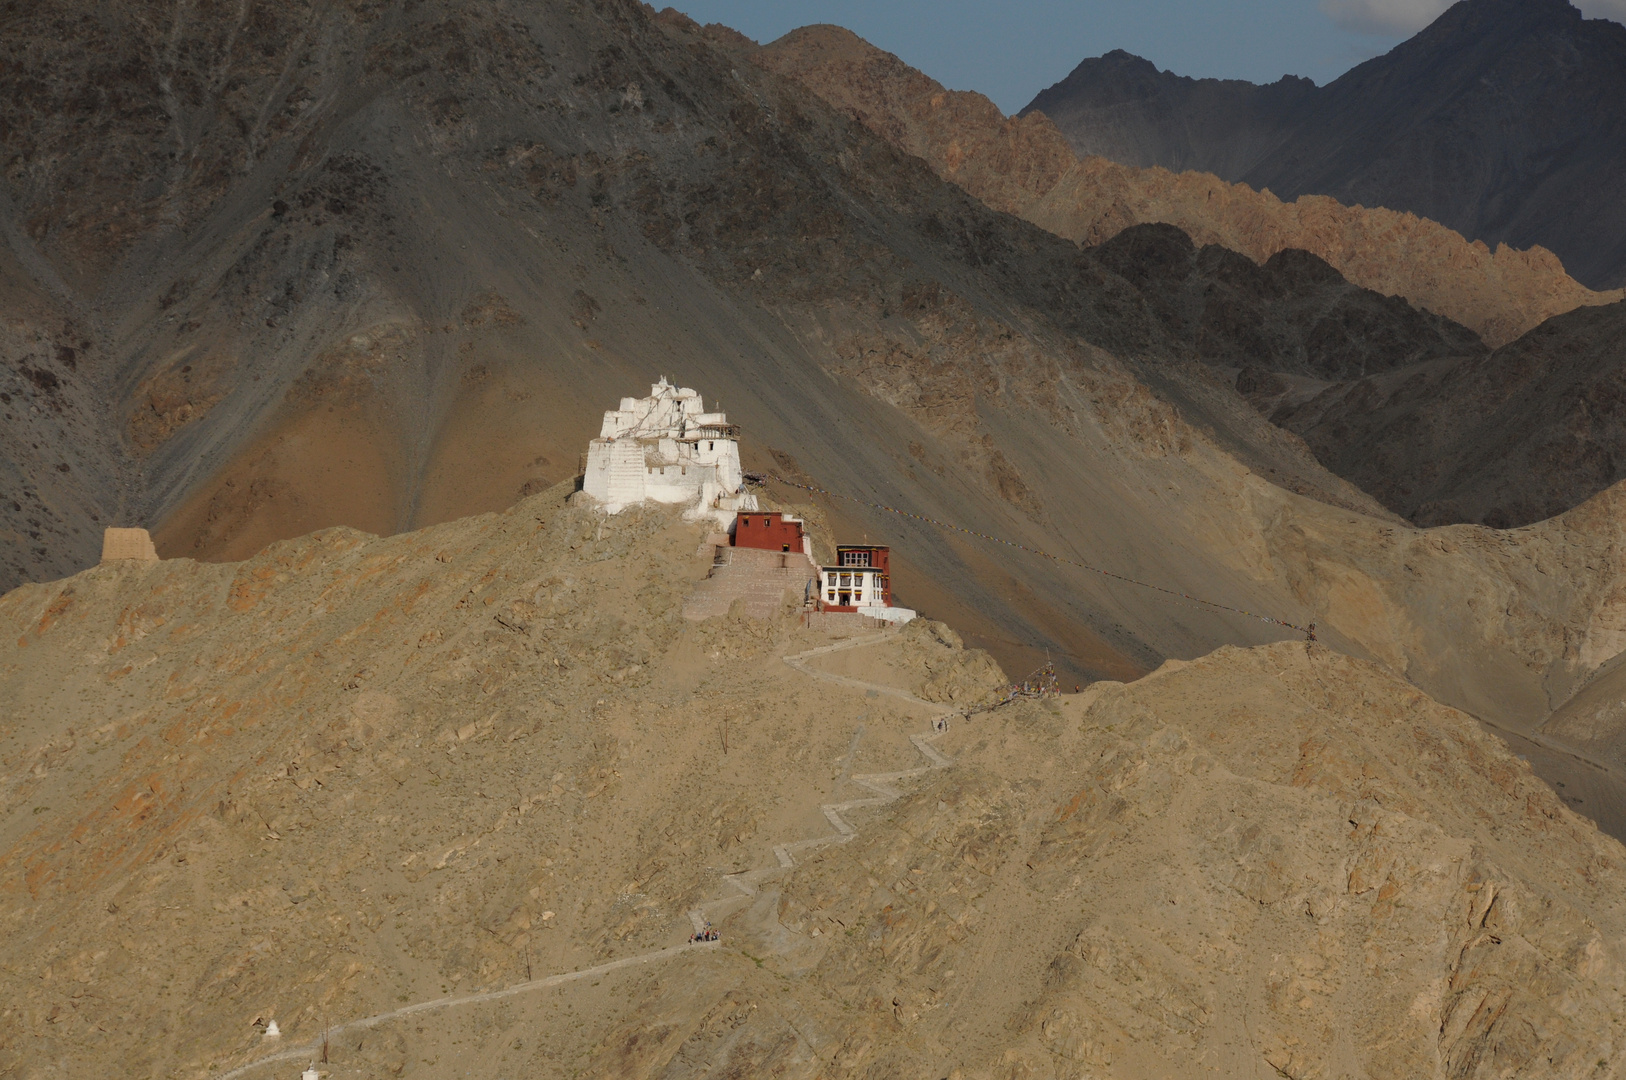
(855, 558)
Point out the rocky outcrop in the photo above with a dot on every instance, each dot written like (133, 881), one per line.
(1024, 166)
(1503, 120)
(1273, 861)
(1504, 439)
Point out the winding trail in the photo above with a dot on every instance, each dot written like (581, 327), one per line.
(880, 783)
(745, 884)
(310, 1051)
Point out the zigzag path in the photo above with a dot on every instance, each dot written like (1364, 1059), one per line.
(744, 884)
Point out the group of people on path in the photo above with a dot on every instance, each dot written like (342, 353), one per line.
(708, 934)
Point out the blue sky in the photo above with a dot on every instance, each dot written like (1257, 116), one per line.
(1012, 50)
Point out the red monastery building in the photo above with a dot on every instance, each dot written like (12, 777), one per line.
(769, 552)
(771, 531)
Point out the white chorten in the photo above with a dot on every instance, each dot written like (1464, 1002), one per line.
(666, 448)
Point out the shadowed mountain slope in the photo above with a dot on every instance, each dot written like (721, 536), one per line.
(1294, 314)
(1437, 443)
(1504, 120)
(1505, 439)
(1023, 165)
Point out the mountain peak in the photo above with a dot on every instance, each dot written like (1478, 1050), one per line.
(1503, 119)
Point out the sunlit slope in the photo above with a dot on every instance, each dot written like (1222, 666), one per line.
(354, 776)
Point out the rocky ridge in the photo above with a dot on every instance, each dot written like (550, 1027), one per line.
(1502, 120)
(1024, 166)
(431, 769)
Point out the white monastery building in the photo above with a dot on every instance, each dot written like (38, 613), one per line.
(666, 448)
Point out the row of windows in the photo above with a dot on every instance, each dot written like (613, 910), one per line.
(832, 579)
(855, 558)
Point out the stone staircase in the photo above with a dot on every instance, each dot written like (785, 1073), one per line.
(760, 578)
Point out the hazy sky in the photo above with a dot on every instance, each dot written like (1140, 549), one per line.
(1012, 50)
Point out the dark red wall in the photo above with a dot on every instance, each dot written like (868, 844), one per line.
(768, 531)
(878, 556)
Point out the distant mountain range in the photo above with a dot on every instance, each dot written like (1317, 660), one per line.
(1409, 407)
(1504, 120)
(1026, 167)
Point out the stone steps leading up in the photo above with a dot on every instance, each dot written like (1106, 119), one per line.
(759, 578)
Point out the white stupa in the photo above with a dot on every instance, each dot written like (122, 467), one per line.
(666, 448)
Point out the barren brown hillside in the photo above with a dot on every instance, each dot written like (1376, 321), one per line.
(406, 762)
(402, 789)
(1025, 166)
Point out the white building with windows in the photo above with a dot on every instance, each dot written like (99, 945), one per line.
(853, 588)
(861, 582)
(666, 448)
